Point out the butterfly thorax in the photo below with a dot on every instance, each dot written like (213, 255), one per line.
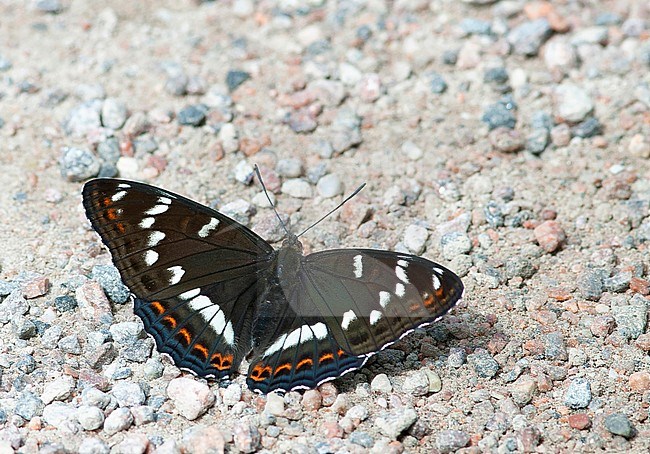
(288, 261)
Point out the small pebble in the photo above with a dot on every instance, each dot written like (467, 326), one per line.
(192, 115)
(631, 320)
(619, 424)
(234, 78)
(274, 404)
(392, 424)
(416, 383)
(93, 445)
(202, 439)
(90, 418)
(381, 384)
(412, 151)
(298, 188)
(415, 238)
(78, 164)
(454, 244)
(289, 168)
(506, 140)
(232, 394)
(128, 394)
(527, 38)
(329, 186)
(120, 419)
(523, 390)
(589, 127)
(572, 103)
(580, 421)
(190, 397)
(484, 364)
(451, 440)
(640, 381)
(244, 172)
(109, 278)
(246, 437)
(113, 113)
(437, 84)
(550, 235)
(578, 393)
(311, 400)
(59, 389)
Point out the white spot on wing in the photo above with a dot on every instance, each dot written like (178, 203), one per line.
(297, 336)
(150, 257)
(401, 274)
(229, 334)
(118, 196)
(157, 209)
(402, 263)
(400, 290)
(375, 316)
(358, 266)
(440, 271)
(147, 222)
(177, 274)
(212, 313)
(205, 230)
(384, 299)
(124, 186)
(436, 281)
(189, 294)
(155, 238)
(165, 200)
(348, 317)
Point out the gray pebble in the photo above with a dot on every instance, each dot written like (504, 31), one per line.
(484, 364)
(572, 103)
(329, 186)
(437, 84)
(90, 418)
(78, 164)
(381, 384)
(51, 336)
(416, 383)
(537, 141)
(392, 424)
(454, 244)
(109, 278)
(49, 6)
(176, 84)
(298, 188)
(358, 412)
(590, 284)
(109, 150)
(578, 393)
(471, 26)
(143, 414)
(316, 172)
(84, 118)
(234, 78)
(498, 75)
(518, 266)
(5, 64)
(451, 440)
(70, 344)
(619, 424)
(527, 38)
(554, 346)
(126, 333)
(232, 394)
(26, 364)
(193, 115)
(244, 172)
(588, 128)
(62, 416)
(618, 283)
(113, 113)
(415, 238)
(457, 357)
(500, 114)
(631, 320)
(450, 57)
(65, 303)
(246, 436)
(95, 397)
(323, 148)
(120, 419)
(153, 369)
(138, 352)
(289, 168)
(145, 145)
(361, 438)
(412, 151)
(93, 446)
(28, 406)
(240, 210)
(24, 328)
(128, 394)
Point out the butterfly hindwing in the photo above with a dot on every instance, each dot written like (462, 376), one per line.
(291, 351)
(194, 271)
(376, 297)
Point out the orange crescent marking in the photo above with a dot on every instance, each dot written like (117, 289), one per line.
(119, 226)
(186, 335)
(440, 293)
(429, 301)
(258, 371)
(340, 353)
(159, 308)
(201, 348)
(171, 320)
(326, 357)
(111, 214)
(281, 367)
(304, 362)
(220, 362)
(106, 201)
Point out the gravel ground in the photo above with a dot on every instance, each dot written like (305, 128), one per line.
(508, 140)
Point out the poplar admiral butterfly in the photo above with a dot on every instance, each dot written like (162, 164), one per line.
(211, 292)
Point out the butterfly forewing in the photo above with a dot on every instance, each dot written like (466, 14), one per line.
(195, 272)
(375, 297)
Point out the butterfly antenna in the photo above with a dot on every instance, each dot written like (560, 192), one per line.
(266, 193)
(356, 191)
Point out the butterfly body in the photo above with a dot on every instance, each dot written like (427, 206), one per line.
(211, 292)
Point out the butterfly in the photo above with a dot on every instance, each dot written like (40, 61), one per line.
(211, 292)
